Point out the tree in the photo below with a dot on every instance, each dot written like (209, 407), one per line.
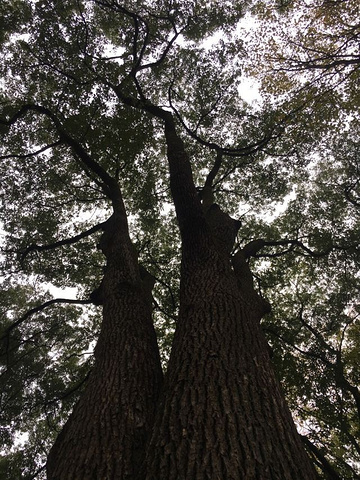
(109, 107)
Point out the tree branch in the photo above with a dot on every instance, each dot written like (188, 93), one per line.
(214, 171)
(163, 55)
(231, 152)
(348, 190)
(36, 474)
(32, 154)
(343, 383)
(112, 190)
(297, 349)
(41, 307)
(325, 465)
(137, 20)
(60, 243)
(298, 243)
(320, 63)
(70, 391)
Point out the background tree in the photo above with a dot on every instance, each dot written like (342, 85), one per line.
(82, 123)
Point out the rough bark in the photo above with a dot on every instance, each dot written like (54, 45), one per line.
(222, 414)
(106, 434)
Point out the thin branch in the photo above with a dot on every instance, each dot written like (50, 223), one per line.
(56, 67)
(36, 474)
(298, 349)
(325, 465)
(41, 307)
(112, 190)
(233, 152)
(142, 104)
(307, 250)
(160, 309)
(353, 440)
(163, 55)
(32, 154)
(325, 346)
(214, 171)
(60, 243)
(348, 190)
(344, 383)
(137, 21)
(246, 160)
(70, 391)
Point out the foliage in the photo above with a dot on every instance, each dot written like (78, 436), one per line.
(311, 50)
(288, 168)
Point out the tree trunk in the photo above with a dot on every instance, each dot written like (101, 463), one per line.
(222, 414)
(106, 434)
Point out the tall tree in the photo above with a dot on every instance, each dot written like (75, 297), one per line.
(96, 92)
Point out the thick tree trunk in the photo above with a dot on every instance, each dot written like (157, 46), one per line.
(222, 414)
(106, 434)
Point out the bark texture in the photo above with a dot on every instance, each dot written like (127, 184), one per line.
(106, 434)
(222, 415)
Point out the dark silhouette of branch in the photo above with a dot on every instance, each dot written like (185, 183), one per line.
(110, 186)
(60, 243)
(245, 160)
(343, 383)
(162, 57)
(354, 441)
(337, 365)
(162, 310)
(297, 243)
(214, 171)
(139, 54)
(41, 307)
(36, 474)
(321, 63)
(331, 474)
(32, 154)
(70, 391)
(325, 346)
(305, 353)
(348, 191)
(231, 152)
